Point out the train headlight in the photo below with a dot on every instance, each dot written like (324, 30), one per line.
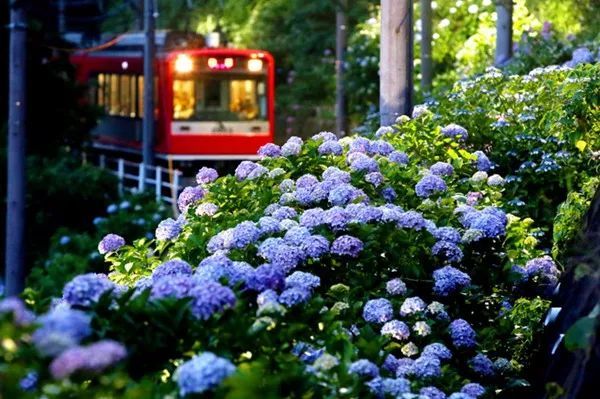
(184, 63)
(255, 65)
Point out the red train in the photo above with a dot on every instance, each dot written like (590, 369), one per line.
(211, 103)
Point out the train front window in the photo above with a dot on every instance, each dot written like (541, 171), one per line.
(220, 98)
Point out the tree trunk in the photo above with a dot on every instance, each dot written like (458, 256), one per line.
(504, 44)
(426, 35)
(396, 60)
(15, 206)
(341, 36)
(149, 52)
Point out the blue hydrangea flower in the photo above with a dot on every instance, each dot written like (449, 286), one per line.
(398, 157)
(347, 246)
(411, 220)
(437, 310)
(483, 162)
(86, 289)
(432, 393)
(239, 272)
(244, 234)
(110, 243)
(437, 350)
(455, 131)
(176, 286)
(265, 297)
(449, 280)
(306, 352)
(202, 373)
(60, 329)
(462, 334)
(269, 150)
(330, 147)
(189, 196)
(459, 395)
(284, 212)
(302, 279)
(375, 178)
(364, 368)
(286, 257)
(360, 144)
(93, 358)
(291, 148)
(420, 110)
(404, 367)
(441, 169)
(315, 246)
(209, 297)
(473, 389)
(268, 225)
(343, 194)
(427, 367)
(363, 213)
(337, 218)
(429, 185)
(266, 277)
(296, 235)
(383, 130)
(381, 387)
(29, 381)
(496, 181)
(325, 136)
(214, 267)
(206, 175)
(544, 272)
(391, 213)
(378, 311)
(396, 329)
(170, 268)
(390, 364)
(206, 209)
(257, 172)
(449, 234)
(335, 174)
(489, 224)
(294, 296)
(412, 305)
(244, 169)
(482, 365)
(389, 194)
(381, 147)
(311, 217)
(168, 229)
(364, 163)
(396, 287)
(306, 181)
(271, 208)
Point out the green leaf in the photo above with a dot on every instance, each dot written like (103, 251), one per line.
(579, 335)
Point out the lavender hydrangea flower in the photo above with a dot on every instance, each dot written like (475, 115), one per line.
(473, 389)
(176, 286)
(257, 172)
(483, 162)
(244, 169)
(269, 150)
(396, 329)
(86, 289)
(381, 147)
(296, 235)
(311, 217)
(411, 220)
(544, 272)
(189, 196)
(315, 246)
(325, 136)
(378, 311)
(363, 213)
(455, 131)
(291, 148)
(437, 350)
(202, 373)
(244, 234)
(432, 393)
(268, 225)
(330, 148)
(404, 367)
(294, 296)
(359, 144)
(429, 185)
(206, 175)
(375, 178)
(209, 297)
(110, 243)
(364, 368)
(343, 194)
(427, 367)
(167, 230)
(398, 157)
(462, 334)
(389, 194)
(412, 305)
(93, 358)
(441, 169)
(284, 212)
(20, 314)
(449, 280)
(170, 268)
(459, 395)
(337, 218)
(382, 130)
(448, 234)
(482, 365)
(396, 287)
(363, 163)
(266, 277)
(206, 209)
(60, 329)
(347, 246)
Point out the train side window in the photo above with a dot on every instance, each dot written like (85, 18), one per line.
(114, 105)
(101, 88)
(124, 96)
(133, 97)
(184, 98)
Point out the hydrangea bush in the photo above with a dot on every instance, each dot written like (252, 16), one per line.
(394, 267)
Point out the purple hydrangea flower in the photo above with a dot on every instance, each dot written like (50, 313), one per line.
(296, 235)
(381, 147)
(302, 279)
(347, 246)
(397, 329)
(202, 373)
(335, 174)
(168, 229)
(291, 148)
(390, 364)
(206, 175)
(325, 136)
(462, 334)
(404, 367)
(189, 196)
(176, 286)
(489, 224)
(60, 329)
(21, 315)
(437, 350)
(343, 194)
(448, 234)
(287, 186)
(93, 358)
(330, 147)
(257, 172)
(170, 268)
(544, 272)
(411, 220)
(427, 367)
(398, 157)
(448, 251)
(364, 368)
(244, 169)
(206, 209)
(375, 178)
(389, 194)
(378, 311)
(337, 218)
(294, 296)
(284, 212)
(86, 289)
(395, 287)
(245, 234)
(473, 389)
(266, 277)
(381, 387)
(482, 365)
(311, 217)
(209, 297)
(455, 131)
(110, 243)
(306, 181)
(441, 169)
(429, 185)
(449, 280)
(483, 162)
(29, 382)
(432, 393)
(412, 305)
(360, 144)
(268, 225)
(269, 150)
(315, 246)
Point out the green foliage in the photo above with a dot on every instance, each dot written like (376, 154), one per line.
(526, 316)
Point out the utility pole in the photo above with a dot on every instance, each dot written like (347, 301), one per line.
(15, 204)
(62, 23)
(341, 39)
(426, 36)
(149, 55)
(395, 60)
(504, 9)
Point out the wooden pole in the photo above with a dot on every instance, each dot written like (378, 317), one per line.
(426, 36)
(341, 39)
(15, 204)
(396, 60)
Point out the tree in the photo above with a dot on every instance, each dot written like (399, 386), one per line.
(396, 60)
(504, 29)
(426, 57)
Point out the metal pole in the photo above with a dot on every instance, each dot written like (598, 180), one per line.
(149, 52)
(15, 204)
(504, 10)
(426, 35)
(62, 23)
(396, 60)
(341, 36)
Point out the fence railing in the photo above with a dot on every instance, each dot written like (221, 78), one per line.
(166, 183)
